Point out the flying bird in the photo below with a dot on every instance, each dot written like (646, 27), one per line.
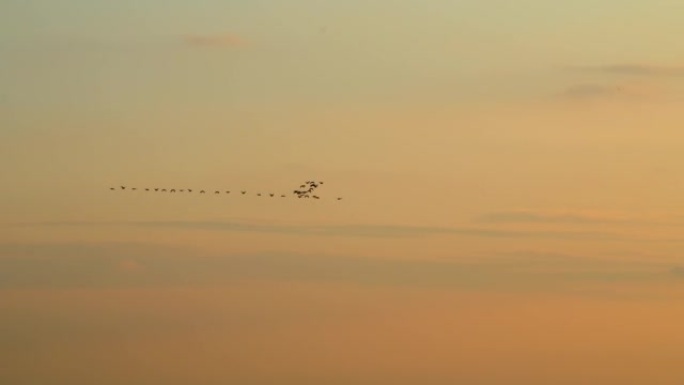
(243, 192)
(202, 192)
(123, 187)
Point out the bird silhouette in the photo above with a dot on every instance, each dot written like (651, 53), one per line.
(123, 187)
(271, 195)
(243, 192)
(112, 188)
(181, 190)
(189, 190)
(259, 194)
(282, 196)
(227, 192)
(147, 189)
(217, 192)
(339, 199)
(173, 190)
(202, 192)
(163, 190)
(157, 189)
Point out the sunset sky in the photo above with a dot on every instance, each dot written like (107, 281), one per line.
(511, 174)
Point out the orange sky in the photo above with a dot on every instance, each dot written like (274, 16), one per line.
(511, 175)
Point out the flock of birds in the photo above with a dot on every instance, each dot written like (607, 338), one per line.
(306, 190)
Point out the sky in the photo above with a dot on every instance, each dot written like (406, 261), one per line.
(511, 178)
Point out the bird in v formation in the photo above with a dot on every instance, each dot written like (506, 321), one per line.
(306, 191)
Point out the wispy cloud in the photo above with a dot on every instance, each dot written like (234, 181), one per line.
(352, 230)
(677, 271)
(643, 70)
(227, 40)
(50, 265)
(579, 217)
(591, 90)
(626, 91)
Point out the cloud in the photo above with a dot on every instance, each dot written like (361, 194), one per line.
(372, 231)
(227, 40)
(600, 91)
(591, 90)
(130, 266)
(677, 271)
(579, 217)
(633, 70)
(75, 265)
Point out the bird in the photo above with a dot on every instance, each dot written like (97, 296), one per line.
(112, 188)
(227, 192)
(282, 196)
(202, 192)
(217, 192)
(157, 189)
(147, 189)
(134, 189)
(243, 192)
(181, 190)
(271, 194)
(173, 190)
(339, 199)
(189, 190)
(316, 197)
(259, 194)
(163, 190)
(123, 187)
(302, 186)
